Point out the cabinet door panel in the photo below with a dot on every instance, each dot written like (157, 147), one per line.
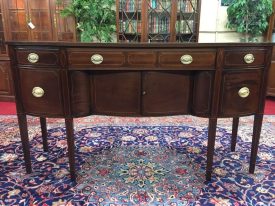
(21, 13)
(16, 4)
(232, 104)
(3, 48)
(157, 20)
(166, 93)
(116, 93)
(16, 23)
(64, 26)
(80, 93)
(202, 93)
(5, 80)
(271, 81)
(49, 80)
(39, 12)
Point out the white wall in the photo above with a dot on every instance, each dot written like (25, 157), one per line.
(213, 23)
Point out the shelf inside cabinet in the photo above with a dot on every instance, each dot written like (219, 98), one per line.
(190, 37)
(159, 37)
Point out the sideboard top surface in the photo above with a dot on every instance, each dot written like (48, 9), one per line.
(139, 45)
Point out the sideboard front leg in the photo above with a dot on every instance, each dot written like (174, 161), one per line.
(210, 146)
(258, 119)
(23, 127)
(71, 147)
(43, 125)
(235, 126)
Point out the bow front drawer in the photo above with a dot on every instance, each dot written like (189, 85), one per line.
(245, 57)
(188, 59)
(36, 57)
(95, 59)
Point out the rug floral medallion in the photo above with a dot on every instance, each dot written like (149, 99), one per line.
(136, 161)
(140, 176)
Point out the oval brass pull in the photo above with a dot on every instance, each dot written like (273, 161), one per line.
(97, 59)
(244, 92)
(38, 92)
(249, 58)
(33, 58)
(186, 59)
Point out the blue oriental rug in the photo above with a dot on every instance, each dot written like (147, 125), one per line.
(132, 161)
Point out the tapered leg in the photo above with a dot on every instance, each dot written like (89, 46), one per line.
(71, 149)
(234, 133)
(210, 146)
(258, 119)
(23, 127)
(43, 125)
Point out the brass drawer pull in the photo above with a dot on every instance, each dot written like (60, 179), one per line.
(249, 58)
(38, 92)
(186, 59)
(244, 92)
(33, 58)
(97, 59)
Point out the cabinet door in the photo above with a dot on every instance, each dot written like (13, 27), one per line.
(159, 20)
(271, 80)
(6, 89)
(166, 93)
(116, 93)
(187, 20)
(3, 48)
(240, 92)
(50, 100)
(29, 20)
(202, 93)
(17, 16)
(39, 16)
(271, 74)
(64, 28)
(129, 20)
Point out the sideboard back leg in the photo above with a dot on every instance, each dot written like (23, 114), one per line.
(23, 127)
(210, 146)
(234, 133)
(258, 119)
(43, 124)
(71, 149)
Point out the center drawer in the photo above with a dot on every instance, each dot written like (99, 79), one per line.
(191, 58)
(95, 59)
(187, 59)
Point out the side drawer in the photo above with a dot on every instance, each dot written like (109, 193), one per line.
(247, 57)
(95, 59)
(189, 58)
(240, 92)
(38, 57)
(41, 92)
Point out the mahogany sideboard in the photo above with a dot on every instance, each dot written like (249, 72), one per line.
(68, 80)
